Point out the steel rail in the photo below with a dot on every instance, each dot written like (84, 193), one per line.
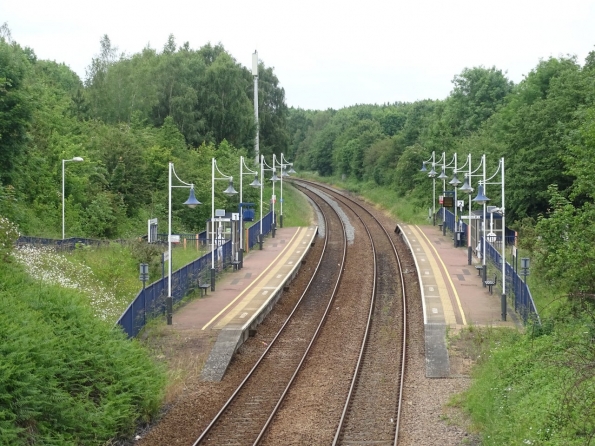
(219, 415)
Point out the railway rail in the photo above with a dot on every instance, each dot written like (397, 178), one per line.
(372, 407)
(248, 411)
(365, 375)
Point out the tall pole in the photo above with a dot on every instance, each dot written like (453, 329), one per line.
(469, 247)
(255, 75)
(273, 199)
(434, 193)
(483, 251)
(212, 224)
(169, 301)
(281, 198)
(503, 300)
(260, 241)
(241, 221)
(455, 200)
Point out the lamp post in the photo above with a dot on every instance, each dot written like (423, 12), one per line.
(484, 199)
(254, 183)
(467, 188)
(229, 191)
(75, 159)
(454, 181)
(274, 179)
(284, 173)
(255, 76)
(192, 202)
(432, 174)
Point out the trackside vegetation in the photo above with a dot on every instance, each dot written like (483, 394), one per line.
(66, 376)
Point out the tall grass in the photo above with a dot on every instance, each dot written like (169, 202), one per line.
(66, 376)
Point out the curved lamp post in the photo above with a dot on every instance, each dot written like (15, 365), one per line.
(274, 179)
(284, 173)
(75, 159)
(229, 191)
(468, 189)
(454, 181)
(481, 198)
(432, 174)
(254, 183)
(192, 202)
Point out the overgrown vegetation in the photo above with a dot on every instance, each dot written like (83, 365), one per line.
(66, 376)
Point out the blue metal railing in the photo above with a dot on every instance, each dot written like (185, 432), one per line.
(150, 302)
(523, 301)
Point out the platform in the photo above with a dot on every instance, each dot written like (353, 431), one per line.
(242, 298)
(453, 295)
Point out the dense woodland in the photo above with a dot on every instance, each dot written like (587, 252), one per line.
(134, 113)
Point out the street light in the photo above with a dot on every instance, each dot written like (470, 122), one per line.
(481, 198)
(455, 181)
(284, 173)
(274, 179)
(468, 189)
(77, 159)
(432, 174)
(192, 202)
(254, 183)
(229, 191)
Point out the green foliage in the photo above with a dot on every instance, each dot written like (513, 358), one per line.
(564, 250)
(16, 104)
(65, 376)
(532, 389)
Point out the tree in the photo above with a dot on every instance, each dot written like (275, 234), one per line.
(15, 103)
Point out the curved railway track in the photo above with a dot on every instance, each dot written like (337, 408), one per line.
(248, 411)
(372, 407)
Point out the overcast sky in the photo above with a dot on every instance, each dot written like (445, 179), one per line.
(326, 54)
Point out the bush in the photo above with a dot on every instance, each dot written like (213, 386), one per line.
(66, 377)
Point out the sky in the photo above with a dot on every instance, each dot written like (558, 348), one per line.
(325, 53)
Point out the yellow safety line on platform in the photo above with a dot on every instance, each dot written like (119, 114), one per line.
(448, 276)
(255, 280)
(248, 298)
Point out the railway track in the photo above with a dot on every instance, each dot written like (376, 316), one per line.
(248, 411)
(334, 373)
(371, 412)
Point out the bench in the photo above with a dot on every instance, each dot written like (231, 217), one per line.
(479, 268)
(235, 264)
(203, 288)
(490, 283)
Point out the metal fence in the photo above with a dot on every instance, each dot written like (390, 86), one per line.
(516, 288)
(61, 244)
(150, 302)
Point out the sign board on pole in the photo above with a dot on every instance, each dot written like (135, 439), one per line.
(152, 230)
(235, 216)
(219, 212)
(175, 238)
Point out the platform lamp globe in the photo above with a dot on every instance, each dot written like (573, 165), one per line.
(229, 191)
(191, 202)
(76, 159)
